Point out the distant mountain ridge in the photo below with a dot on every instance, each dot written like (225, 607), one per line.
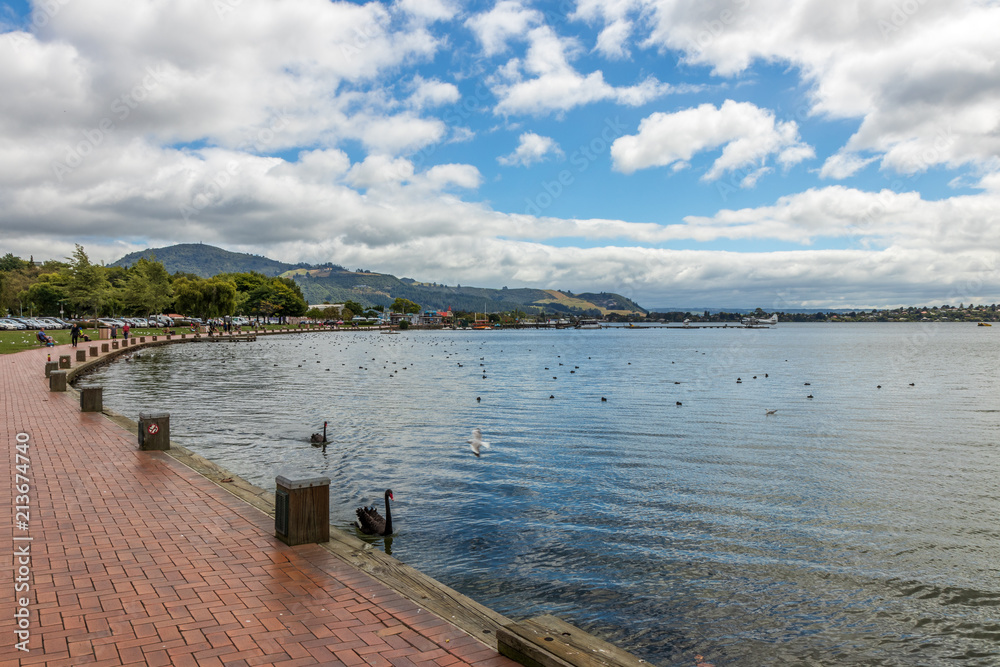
(335, 284)
(206, 261)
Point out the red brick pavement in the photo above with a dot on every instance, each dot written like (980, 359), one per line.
(137, 560)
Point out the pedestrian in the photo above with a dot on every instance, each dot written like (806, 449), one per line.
(114, 331)
(75, 333)
(125, 330)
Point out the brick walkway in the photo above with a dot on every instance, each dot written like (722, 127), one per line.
(138, 560)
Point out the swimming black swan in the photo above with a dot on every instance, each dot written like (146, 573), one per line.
(318, 439)
(370, 522)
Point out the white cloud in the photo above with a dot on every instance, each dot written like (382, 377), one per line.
(507, 19)
(844, 165)
(923, 77)
(430, 10)
(432, 93)
(531, 149)
(748, 133)
(545, 82)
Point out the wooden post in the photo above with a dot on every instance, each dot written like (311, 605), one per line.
(51, 366)
(81, 355)
(92, 399)
(93, 350)
(105, 347)
(64, 361)
(114, 345)
(302, 509)
(57, 381)
(142, 339)
(154, 431)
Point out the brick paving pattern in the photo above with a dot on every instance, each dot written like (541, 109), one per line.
(138, 560)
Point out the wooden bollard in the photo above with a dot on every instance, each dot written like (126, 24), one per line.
(104, 347)
(142, 339)
(57, 381)
(114, 345)
(302, 509)
(64, 361)
(93, 350)
(92, 399)
(51, 366)
(168, 336)
(154, 337)
(81, 355)
(154, 431)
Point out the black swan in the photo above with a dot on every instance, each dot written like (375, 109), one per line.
(370, 522)
(318, 439)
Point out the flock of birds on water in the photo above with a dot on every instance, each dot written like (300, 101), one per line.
(369, 520)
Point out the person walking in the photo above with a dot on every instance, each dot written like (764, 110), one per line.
(125, 330)
(75, 333)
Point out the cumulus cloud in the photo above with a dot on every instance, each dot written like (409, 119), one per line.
(507, 19)
(432, 93)
(545, 81)
(923, 77)
(531, 149)
(748, 134)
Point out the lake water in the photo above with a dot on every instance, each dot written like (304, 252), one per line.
(856, 527)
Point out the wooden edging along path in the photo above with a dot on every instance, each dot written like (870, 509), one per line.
(131, 566)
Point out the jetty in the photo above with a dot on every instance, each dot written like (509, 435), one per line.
(126, 554)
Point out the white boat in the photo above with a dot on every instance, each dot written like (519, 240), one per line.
(588, 324)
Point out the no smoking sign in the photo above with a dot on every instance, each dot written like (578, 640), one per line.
(153, 429)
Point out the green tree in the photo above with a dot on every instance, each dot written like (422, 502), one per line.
(11, 263)
(88, 287)
(147, 288)
(404, 306)
(215, 297)
(43, 297)
(351, 309)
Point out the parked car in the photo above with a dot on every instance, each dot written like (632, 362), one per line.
(11, 325)
(52, 323)
(110, 322)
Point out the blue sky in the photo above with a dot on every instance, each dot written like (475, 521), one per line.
(727, 153)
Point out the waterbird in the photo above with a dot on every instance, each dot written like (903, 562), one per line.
(370, 522)
(603, 400)
(476, 443)
(318, 439)
(771, 412)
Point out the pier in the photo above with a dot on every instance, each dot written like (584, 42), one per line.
(161, 557)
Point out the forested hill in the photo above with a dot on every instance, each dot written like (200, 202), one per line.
(334, 284)
(206, 261)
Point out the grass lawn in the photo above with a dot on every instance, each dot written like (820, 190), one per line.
(15, 341)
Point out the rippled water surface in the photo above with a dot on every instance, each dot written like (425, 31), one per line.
(859, 526)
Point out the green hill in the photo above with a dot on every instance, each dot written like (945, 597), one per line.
(334, 284)
(206, 260)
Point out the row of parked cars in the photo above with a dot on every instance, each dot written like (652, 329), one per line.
(18, 323)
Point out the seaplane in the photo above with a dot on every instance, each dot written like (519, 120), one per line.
(752, 321)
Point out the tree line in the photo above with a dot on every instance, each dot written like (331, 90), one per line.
(79, 288)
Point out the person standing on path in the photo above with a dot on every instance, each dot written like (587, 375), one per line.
(75, 333)
(125, 330)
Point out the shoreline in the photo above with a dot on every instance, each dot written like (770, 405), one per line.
(522, 641)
